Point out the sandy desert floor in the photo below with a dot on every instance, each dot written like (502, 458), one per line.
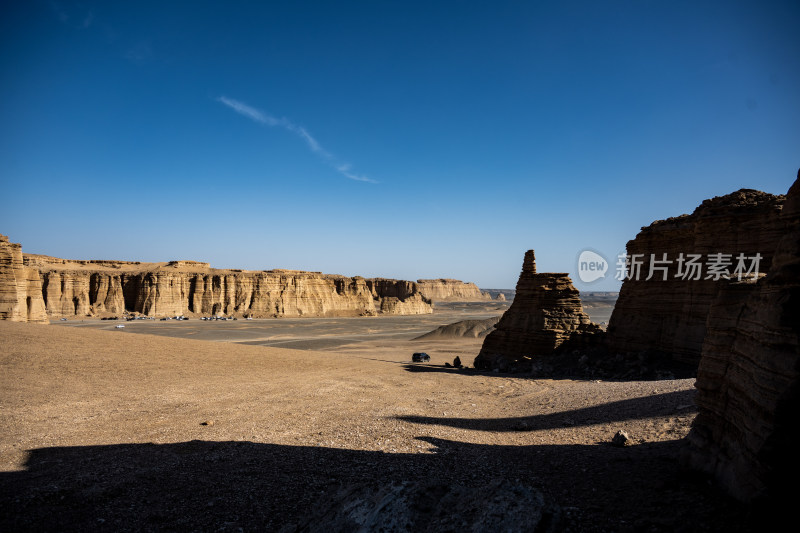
(107, 429)
(304, 333)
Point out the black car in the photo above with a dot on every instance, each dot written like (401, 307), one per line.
(420, 357)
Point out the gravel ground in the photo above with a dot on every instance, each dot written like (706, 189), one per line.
(108, 430)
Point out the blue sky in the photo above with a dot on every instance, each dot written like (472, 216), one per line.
(399, 139)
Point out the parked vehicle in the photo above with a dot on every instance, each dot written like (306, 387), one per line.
(420, 357)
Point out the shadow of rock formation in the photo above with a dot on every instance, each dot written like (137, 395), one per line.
(666, 404)
(233, 486)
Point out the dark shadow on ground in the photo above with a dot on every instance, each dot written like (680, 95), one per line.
(232, 486)
(667, 404)
(590, 364)
(412, 367)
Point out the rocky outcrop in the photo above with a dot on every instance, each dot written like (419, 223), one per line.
(501, 295)
(20, 286)
(451, 290)
(668, 316)
(473, 329)
(746, 430)
(97, 288)
(545, 314)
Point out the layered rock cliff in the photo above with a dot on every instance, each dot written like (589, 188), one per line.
(451, 290)
(746, 431)
(20, 286)
(87, 288)
(546, 313)
(669, 315)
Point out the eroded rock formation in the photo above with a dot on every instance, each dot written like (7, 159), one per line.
(20, 286)
(669, 316)
(451, 290)
(546, 313)
(462, 329)
(746, 430)
(87, 288)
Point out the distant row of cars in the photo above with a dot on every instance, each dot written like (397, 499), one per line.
(223, 318)
(178, 317)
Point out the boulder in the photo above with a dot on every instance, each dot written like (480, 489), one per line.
(498, 505)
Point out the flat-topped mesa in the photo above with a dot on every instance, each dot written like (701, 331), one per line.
(20, 286)
(668, 316)
(748, 379)
(69, 288)
(545, 314)
(189, 265)
(46, 262)
(451, 290)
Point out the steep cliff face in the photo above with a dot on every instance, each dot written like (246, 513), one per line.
(546, 313)
(746, 431)
(669, 315)
(20, 286)
(451, 290)
(398, 297)
(84, 288)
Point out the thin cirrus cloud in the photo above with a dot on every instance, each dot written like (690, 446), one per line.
(262, 118)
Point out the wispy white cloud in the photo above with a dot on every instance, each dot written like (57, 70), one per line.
(303, 134)
(250, 112)
(356, 177)
(268, 120)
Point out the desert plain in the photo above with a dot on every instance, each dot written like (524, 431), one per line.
(262, 425)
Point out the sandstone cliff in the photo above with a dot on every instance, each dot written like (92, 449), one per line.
(546, 313)
(669, 316)
(451, 290)
(87, 288)
(745, 433)
(20, 286)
